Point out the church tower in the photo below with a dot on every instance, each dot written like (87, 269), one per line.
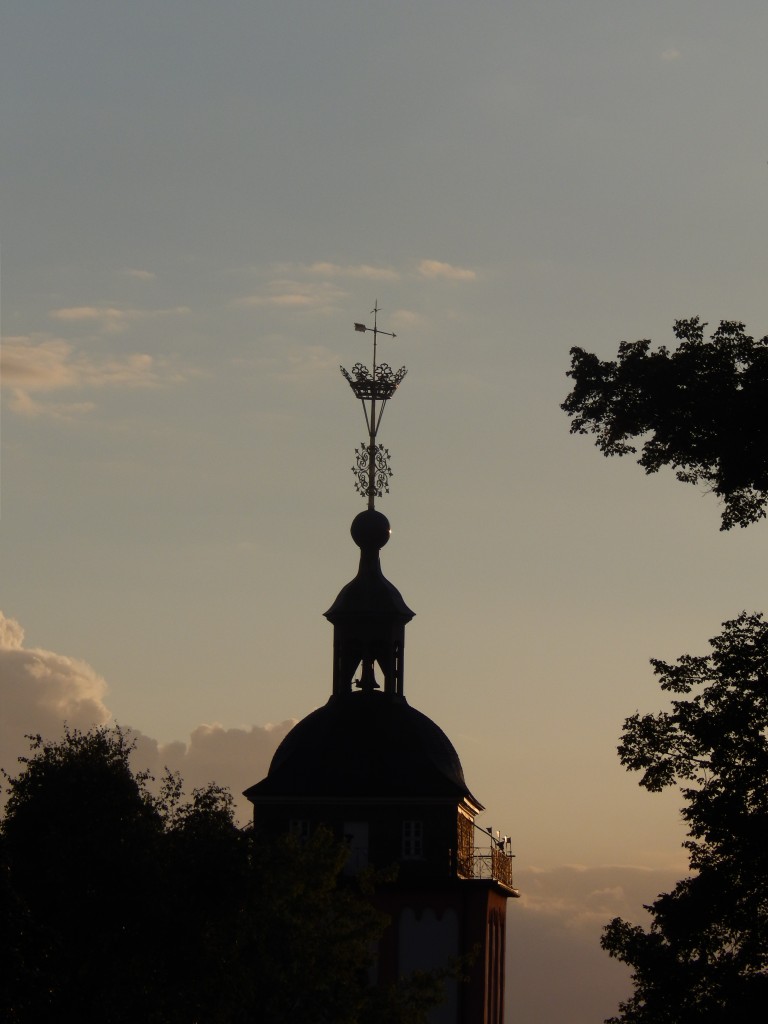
(386, 778)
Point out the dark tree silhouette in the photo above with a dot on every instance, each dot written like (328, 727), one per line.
(700, 409)
(119, 897)
(118, 906)
(704, 959)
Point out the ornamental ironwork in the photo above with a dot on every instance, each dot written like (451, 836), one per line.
(373, 387)
(365, 387)
(490, 859)
(466, 845)
(381, 470)
(493, 864)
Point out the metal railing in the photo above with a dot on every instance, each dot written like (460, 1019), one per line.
(491, 863)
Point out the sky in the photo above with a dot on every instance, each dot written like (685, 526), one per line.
(197, 202)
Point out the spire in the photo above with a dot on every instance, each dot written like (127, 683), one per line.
(374, 389)
(369, 615)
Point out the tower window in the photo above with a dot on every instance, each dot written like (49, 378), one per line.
(465, 846)
(413, 840)
(299, 827)
(356, 838)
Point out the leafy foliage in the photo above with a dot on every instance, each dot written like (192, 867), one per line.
(705, 957)
(307, 941)
(118, 894)
(700, 409)
(120, 906)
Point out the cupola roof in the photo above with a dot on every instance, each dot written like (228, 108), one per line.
(366, 745)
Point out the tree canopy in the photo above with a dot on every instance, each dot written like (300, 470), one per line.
(700, 409)
(118, 906)
(704, 959)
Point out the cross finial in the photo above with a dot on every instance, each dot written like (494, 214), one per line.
(374, 389)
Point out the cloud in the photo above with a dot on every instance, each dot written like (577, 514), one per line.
(295, 299)
(43, 364)
(50, 364)
(406, 318)
(235, 757)
(41, 690)
(140, 275)
(554, 930)
(292, 295)
(361, 270)
(436, 269)
(23, 404)
(111, 319)
(671, 54)
(558, 974)
(316, 287)
(310, 360)
(588, 897)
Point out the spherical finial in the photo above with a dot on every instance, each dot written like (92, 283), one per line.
(370, 530)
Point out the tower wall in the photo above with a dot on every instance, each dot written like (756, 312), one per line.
(433, 925)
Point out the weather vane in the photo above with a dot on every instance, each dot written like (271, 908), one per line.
(371, 469)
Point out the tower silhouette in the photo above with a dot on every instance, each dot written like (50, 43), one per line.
(386, 779)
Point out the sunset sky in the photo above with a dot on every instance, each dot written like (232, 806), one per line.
(197, 201)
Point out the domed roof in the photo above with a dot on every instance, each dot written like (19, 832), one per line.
(364, 744)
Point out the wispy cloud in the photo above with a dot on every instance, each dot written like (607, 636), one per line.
(406, 318)
(293, 364)
(360, 270)
(140, 275)
(42, 364)
(671, 53)
(311, 360)
(319, 287)
(588, 897)
(436, 269)
(111, 319)
(295, 295)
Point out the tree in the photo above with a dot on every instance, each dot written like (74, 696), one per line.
(700, 409)
(119, 906)
(705, 957)
(117, 892)
(304, 947)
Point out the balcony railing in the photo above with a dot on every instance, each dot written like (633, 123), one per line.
(492, 864)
